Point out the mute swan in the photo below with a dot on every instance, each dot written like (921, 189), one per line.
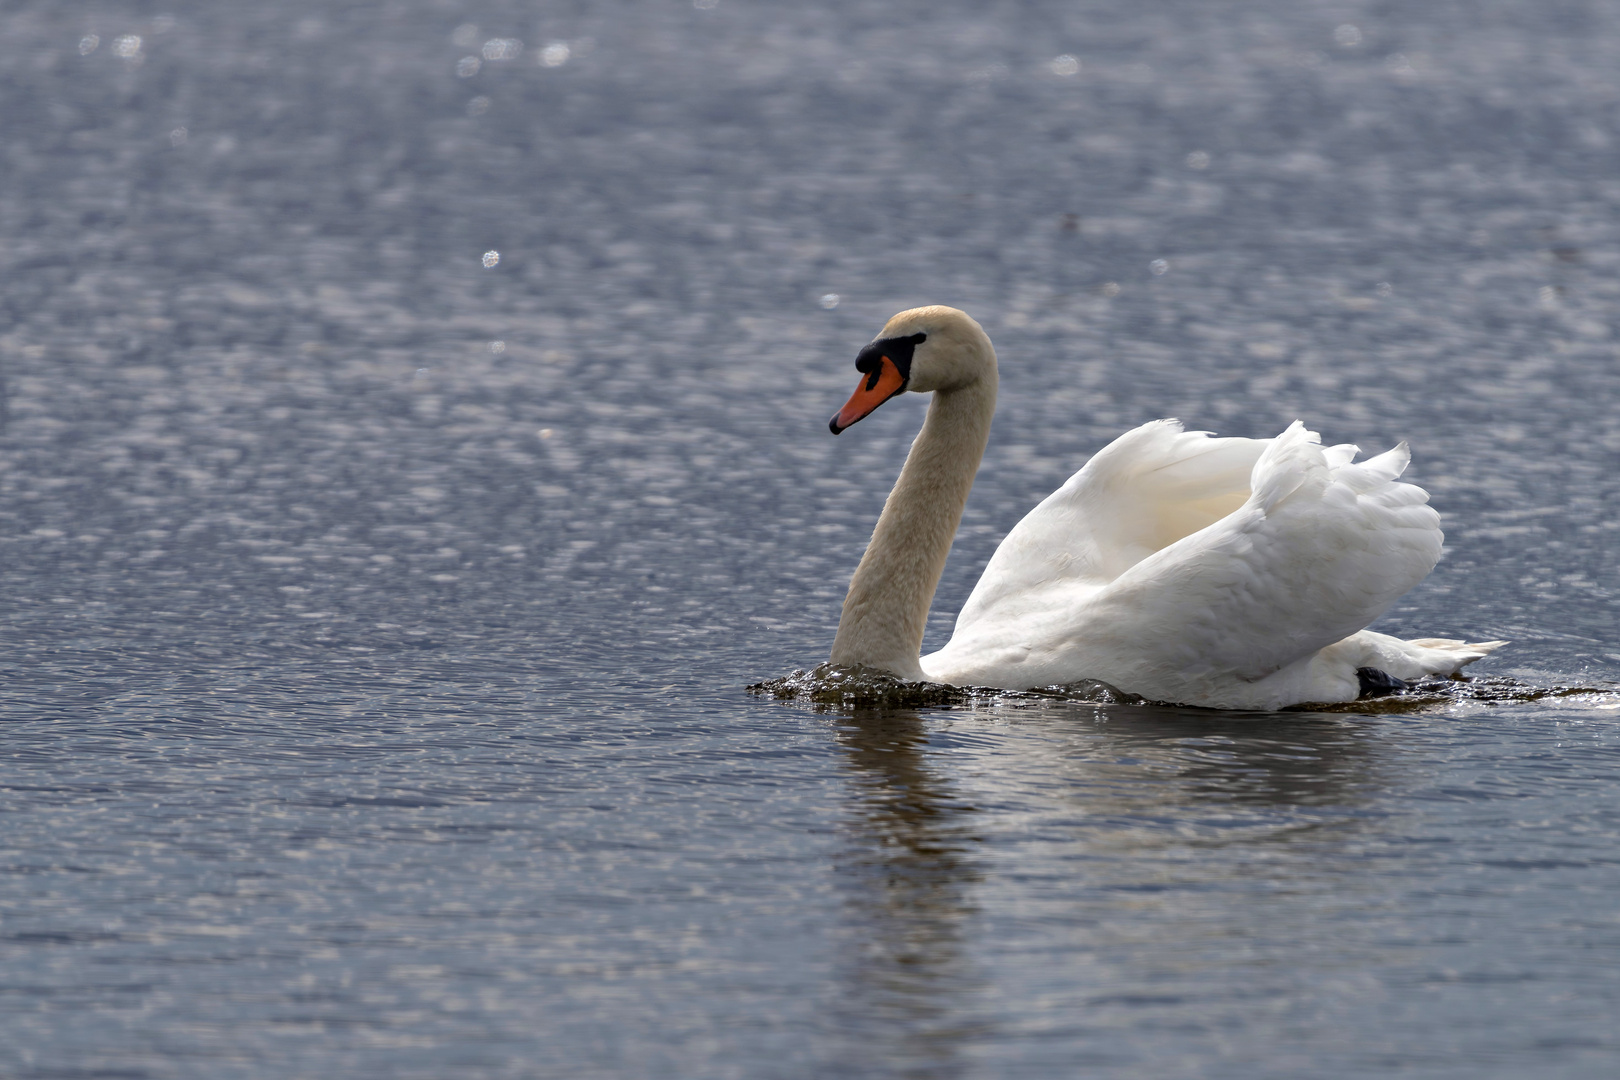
(1229, 573)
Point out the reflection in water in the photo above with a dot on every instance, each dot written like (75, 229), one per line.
(909, 873)
(1286, 760)
(1138, 797)
(1113, 813)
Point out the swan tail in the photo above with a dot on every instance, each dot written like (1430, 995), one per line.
(1419, 657)
(1456, 655)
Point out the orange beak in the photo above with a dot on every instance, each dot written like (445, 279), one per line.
(874, 390)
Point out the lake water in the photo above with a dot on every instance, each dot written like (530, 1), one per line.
(377, 622)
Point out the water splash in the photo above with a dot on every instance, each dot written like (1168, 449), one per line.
(1428, 693)
(829, 687)
(867, 688)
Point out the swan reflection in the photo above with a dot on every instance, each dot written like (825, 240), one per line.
(994, 824)
(907, 873)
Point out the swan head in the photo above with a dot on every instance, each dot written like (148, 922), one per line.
(923, 350)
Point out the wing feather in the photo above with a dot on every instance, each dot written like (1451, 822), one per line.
(1316, 554)
(1145, 490)
(1173, 557)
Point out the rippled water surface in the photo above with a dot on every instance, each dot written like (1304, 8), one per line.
(378, 612)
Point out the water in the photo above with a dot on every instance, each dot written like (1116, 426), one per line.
(374, 693)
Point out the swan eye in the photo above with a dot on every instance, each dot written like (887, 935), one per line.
(895, 350)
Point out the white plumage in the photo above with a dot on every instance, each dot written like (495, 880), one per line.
(1232, 573)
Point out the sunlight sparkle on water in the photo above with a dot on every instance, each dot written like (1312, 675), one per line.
(342, 673)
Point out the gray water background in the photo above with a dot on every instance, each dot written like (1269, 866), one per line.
(372, 696)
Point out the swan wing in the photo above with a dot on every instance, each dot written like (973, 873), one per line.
(1320, 549)
(1141, 492)
(1313, 549)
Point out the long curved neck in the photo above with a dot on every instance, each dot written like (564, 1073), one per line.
(887, 606)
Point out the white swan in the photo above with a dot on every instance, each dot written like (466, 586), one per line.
(1229, 573)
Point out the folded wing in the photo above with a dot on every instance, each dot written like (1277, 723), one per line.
(1142, 492)
(1195, 555)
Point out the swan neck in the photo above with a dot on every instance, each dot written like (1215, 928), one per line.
(886, 609)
